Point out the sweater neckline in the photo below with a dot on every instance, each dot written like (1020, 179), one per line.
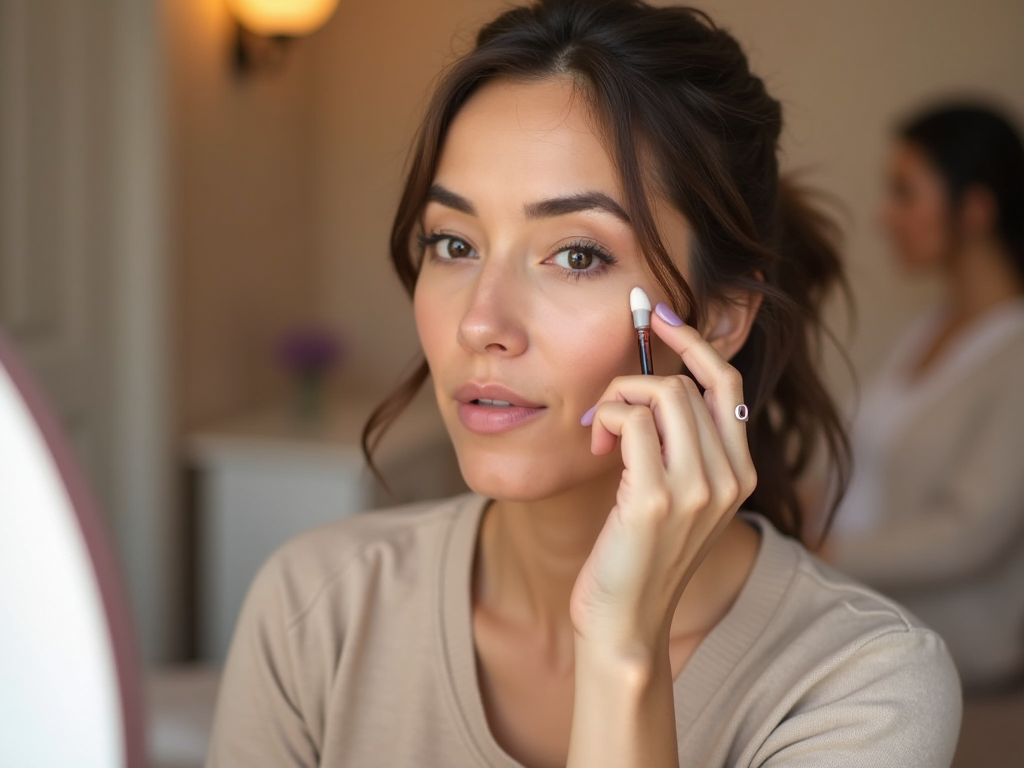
(705, 675)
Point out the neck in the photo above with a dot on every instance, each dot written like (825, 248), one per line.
(981, 277)
(530, 553)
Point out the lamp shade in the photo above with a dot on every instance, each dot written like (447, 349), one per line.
(282, 17)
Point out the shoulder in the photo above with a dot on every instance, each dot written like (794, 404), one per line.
(819, 589)
(1001, 339)
(804, 590)
(839, 615)
(1009, 355)
(392, 545)
(866, 636)
(854, 670)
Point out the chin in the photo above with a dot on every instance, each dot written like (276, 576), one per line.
(919, 260)
(915, 265)
(522, 481)
(524, 478)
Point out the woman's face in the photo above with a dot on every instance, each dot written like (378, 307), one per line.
(523, 296)
(916, 216)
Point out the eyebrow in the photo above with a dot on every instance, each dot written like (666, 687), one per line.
(447, 198)
(555, 206)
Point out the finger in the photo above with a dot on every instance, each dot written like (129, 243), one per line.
(724, 477)
(722, 383)
(640, 443)
(709, 368)
(670, 399)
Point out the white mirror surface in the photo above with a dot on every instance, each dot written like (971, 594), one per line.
(59, 695)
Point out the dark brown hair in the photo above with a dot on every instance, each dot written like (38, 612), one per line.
(685, 120)
(972, 145)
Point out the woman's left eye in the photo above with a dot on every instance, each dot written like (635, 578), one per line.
(582, 259)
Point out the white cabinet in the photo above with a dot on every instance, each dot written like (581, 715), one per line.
(265, 478)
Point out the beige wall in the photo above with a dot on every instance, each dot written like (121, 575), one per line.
(240, 214)
(374, 64)
(844, 71)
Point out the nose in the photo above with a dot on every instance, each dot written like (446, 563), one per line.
(493, 321)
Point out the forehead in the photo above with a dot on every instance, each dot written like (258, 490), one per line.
(528, 139)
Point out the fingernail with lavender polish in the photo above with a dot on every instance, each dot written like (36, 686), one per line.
(664, 311)
(588, 417)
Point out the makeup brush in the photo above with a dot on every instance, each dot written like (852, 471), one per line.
(640, 306)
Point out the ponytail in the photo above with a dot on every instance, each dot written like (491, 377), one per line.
(800, 416)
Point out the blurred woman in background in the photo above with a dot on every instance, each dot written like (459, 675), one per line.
(935, 513)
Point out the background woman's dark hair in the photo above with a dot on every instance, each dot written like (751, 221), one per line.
(685, 120)
(974, 145)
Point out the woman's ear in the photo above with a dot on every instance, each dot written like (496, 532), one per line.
(730, 320)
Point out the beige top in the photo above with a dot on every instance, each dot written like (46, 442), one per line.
(355, 648)
(948, 541)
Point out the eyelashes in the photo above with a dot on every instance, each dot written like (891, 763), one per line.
(431, 241)
(579, 258)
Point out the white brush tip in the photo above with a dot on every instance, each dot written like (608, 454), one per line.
(638, 300)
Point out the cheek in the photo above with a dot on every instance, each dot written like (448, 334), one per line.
(918, 230)
(892, 220)
(584, 346)
(432, 322)
(927, 231)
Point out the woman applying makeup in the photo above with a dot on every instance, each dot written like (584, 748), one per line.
(597, 600)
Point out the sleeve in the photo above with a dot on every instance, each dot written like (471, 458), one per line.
(977, 509)
(895, 701)
(259, 718)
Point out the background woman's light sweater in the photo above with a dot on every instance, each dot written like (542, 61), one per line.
(947, 498)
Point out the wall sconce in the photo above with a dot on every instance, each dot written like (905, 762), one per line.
(265, 28)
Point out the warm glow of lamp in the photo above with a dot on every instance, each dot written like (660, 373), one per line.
(289, 18)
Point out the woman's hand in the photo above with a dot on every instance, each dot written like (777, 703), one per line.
(687, 470)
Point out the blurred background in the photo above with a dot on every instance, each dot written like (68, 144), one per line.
(193, 257)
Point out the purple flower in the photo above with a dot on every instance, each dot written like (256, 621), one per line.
(310, 351)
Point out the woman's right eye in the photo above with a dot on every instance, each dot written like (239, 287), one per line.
(447, 247)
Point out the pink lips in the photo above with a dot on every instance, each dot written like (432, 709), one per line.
(486, 419)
